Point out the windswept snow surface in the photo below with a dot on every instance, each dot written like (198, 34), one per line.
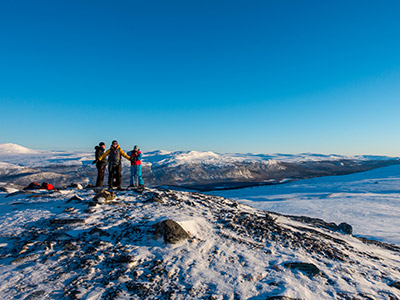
(369, 201)
(65, 245)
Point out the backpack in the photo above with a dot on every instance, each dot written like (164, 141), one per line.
(47, 186)
(33, 186)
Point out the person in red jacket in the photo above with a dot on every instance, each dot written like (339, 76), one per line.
(136, 167)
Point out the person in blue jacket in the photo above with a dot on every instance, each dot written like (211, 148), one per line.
(136, 167)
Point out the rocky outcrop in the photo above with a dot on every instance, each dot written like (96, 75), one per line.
(171, 231)
(345, 228)
(104, 195)
(342, 227)
(307, 268)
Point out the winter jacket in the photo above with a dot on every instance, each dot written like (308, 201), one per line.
(99, 152)
(115, 156)
(136, 157)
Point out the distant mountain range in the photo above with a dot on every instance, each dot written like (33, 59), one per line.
(185, 169)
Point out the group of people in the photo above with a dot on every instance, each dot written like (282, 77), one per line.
(115, 154)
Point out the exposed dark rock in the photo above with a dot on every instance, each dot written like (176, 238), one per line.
(171, 231)
(17, 193)
(98, 232)
(60, 236)
(23, 259)
(106, 195)
(345, 228)
(281, 298)
(7, 189)
(156, 198)
(342, 227)
(396, 284)
(307, 268)
(361, 296)
(90, 249)
(264, 229)
(36, 295)
(139, 288)
(270, 219)
(70, 247)
(65, 221)
(391, 247)
(123, 259)
(92, 203)
(75, 199)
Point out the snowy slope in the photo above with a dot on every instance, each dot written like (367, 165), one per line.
(18, 155)
(370, 201)
(64, 245)
(9, 148)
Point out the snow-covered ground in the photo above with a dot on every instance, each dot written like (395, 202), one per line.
(369, 201)
(65, 245)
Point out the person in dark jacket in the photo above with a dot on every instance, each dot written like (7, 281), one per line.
(100, 164)
(114, 164)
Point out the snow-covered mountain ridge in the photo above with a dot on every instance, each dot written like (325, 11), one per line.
(10, 148)
(190, 169)
(175, 158)
(72, 244)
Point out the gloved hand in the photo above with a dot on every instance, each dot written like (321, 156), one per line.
(93, 162)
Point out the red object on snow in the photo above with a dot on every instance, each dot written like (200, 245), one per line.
(47, 186)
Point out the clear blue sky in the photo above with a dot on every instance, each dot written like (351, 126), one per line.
(228, 76)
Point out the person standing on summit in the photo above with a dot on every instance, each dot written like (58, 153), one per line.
(136, 167)
(100, 165)
(114, 164)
